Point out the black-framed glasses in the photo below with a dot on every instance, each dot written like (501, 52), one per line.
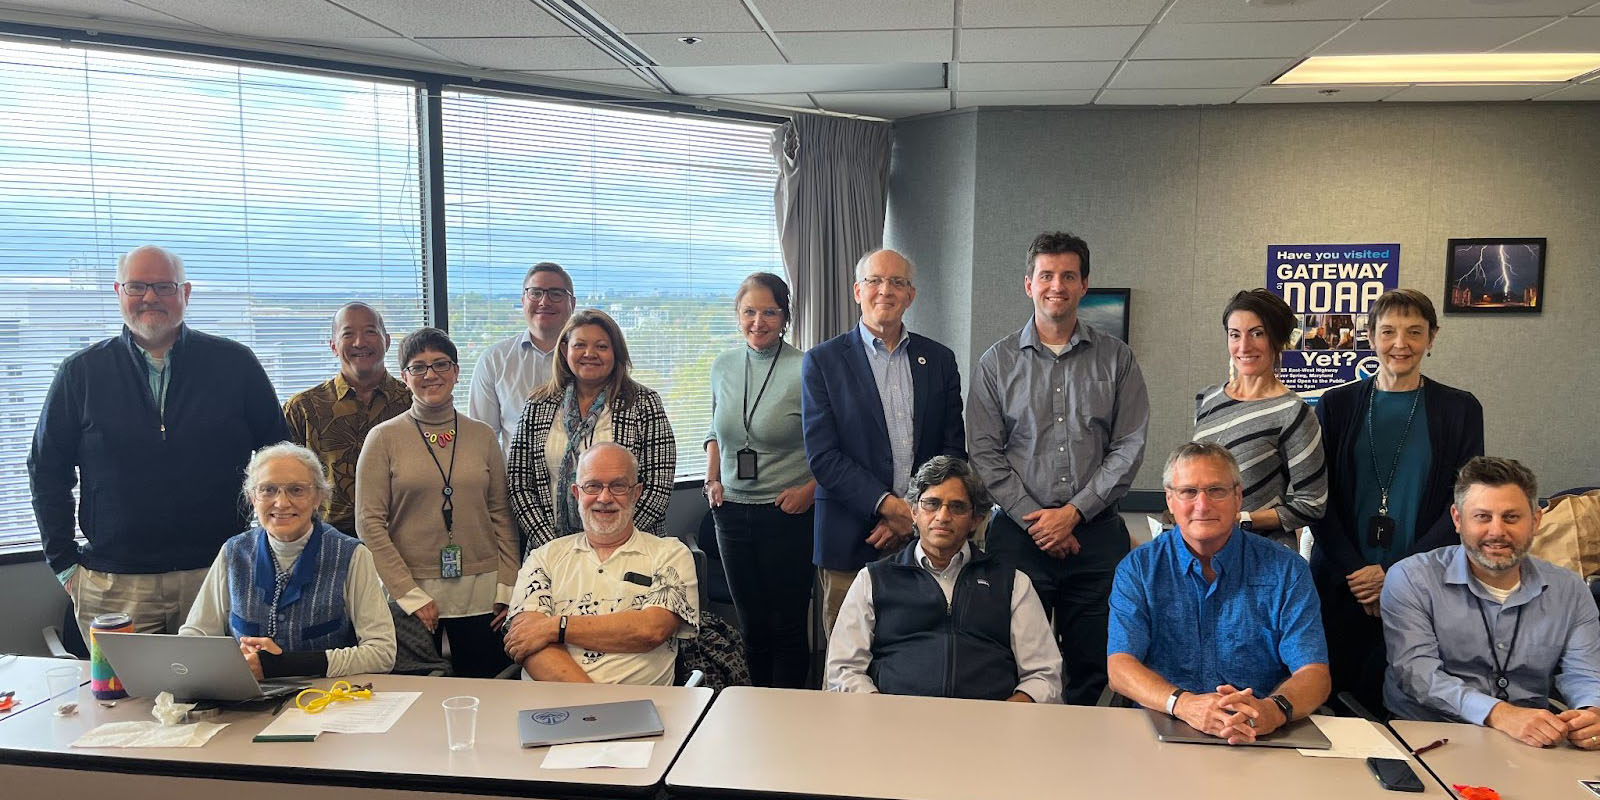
(536, 294)
(618, 488)
(897, 282)
(138, 288)
(932, 505)
(419, 370)
(1189, 494)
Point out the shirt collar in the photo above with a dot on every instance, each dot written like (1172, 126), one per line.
(870, 340)
(1457, 571)
(956, 560)
(1081, 333)
(634, 544)
(342, 387)
(525, 342)
(1226, 562)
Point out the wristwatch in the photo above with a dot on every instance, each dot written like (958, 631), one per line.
(1283, 705)
(1172, 703)
(561, 630)
(1244, 521)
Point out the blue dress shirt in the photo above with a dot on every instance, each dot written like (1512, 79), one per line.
(891, 371)
(1258, 622)
(1440, 663)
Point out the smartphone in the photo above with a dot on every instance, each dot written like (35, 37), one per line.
(1394, 774)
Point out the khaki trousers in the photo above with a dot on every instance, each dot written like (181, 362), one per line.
(158, 602)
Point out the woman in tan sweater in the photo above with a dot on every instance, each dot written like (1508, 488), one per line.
(431, 506)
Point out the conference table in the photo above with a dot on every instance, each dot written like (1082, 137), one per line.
(25, 675)
(1480, 756)
(757, 742)
(410, 761)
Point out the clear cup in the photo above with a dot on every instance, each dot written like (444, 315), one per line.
(460, 721)
(63, 683)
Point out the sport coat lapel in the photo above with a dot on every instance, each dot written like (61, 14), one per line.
(857, 358)
(920, 387)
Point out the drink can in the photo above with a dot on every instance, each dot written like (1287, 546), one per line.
(102, 680)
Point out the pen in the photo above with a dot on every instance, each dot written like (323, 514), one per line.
(1425, 748)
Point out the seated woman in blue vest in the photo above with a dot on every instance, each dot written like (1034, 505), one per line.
(301, 597)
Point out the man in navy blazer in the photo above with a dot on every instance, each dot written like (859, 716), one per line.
(876, 401)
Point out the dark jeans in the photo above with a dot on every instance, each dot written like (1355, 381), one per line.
(766, 555)
(476, 650)
(1357, 657)
(1076, 589)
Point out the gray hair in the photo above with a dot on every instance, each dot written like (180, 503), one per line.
(171, 257)
(1200, 450)
(939, 469)
(306, 458)
(861, 263)
(376, 314)
(549, 266)
(595, 449)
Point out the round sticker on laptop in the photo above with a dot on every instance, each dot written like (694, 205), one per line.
(551, 717)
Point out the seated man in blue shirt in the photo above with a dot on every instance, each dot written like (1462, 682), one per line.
(1215, 626)
(942, 618)
(1478, 632)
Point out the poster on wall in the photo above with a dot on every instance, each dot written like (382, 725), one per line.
(1330, 287)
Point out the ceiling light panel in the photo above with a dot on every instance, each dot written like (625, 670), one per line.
(1443, 68)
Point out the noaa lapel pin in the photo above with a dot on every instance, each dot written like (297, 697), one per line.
(923, 360)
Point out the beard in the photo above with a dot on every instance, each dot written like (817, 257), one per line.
(1496, 563)
(618, 524)
(151, 326)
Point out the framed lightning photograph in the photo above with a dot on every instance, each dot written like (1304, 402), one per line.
(1494, 276)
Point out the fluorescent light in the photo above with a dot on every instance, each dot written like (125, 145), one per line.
(794, 78)
(1430, 68)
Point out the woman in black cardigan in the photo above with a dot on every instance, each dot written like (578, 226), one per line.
(1394, 443)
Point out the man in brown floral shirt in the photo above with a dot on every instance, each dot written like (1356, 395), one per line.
(333, 418)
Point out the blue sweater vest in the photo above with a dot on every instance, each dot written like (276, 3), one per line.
(309, 613)
(922, 647)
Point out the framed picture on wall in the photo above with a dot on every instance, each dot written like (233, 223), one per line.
(1106, 310)
(1494, 276)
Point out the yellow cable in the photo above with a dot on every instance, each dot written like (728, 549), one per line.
(340, 691)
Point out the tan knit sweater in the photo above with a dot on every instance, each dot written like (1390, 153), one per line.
(398, 498)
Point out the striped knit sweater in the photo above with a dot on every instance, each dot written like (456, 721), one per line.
(1278, 445)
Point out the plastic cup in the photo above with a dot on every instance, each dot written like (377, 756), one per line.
(460, 721)
(63, 683)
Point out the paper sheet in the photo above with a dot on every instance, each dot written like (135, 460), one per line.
(1353, 737)
(149, 734)
(627, 755)
(377, 715)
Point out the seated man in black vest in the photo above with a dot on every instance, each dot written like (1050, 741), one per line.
(941, 618)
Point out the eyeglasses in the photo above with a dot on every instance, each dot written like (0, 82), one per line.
(618, 488)
(536, 294)
(295, 491)
(419, 370)
(958, 508)
(1189, 494)
(138, 288)
(875, 282)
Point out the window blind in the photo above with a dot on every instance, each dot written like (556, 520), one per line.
(657, 218)
(286, 194)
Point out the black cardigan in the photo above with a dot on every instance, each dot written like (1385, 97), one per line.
(1455, 434)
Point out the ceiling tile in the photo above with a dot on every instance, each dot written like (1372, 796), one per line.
(272, 19)
(477, 18)
(1235, 39)
(713, 49)
(1069, 98)
(1451, 94)
(1584, 91)
(1313, 94)
(1212, 74)
(1387, 36)
(856, 15)
(398, 46)
(524, 53)
(885, 104)
(1424, 9)
(1571, 35)
(791, 100)
(98, 9)
(1237, 11)
(675, 16)
(607, 77)
(1108, 43)
(868, 47)
(1167, 97)
(1051, 75)
(1028, 13)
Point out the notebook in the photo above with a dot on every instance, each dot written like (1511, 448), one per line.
(594, 723)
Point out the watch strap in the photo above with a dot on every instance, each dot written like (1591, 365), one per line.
(1172, 702)
(561, 630)
(1283, 705)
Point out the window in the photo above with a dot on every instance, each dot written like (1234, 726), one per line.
(286, 193)
(658, 218)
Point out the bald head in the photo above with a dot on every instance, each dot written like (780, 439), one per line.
(152, 256)
(609, 459)
(892, 259)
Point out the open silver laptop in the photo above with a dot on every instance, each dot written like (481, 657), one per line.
(596, 723)
(190, 667)
(1301, 734)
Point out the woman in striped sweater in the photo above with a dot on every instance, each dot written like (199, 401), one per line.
(1271, 432)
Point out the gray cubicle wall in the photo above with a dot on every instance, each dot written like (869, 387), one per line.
(1180, 205)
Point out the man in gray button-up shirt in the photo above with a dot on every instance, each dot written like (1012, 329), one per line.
(1057, 420)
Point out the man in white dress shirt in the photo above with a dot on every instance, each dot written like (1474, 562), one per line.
(510, 370)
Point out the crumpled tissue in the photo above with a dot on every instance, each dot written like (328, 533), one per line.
(169, 730)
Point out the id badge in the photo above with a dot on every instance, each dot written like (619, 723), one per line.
(450, 561)
(747, 464)
(1380, 531)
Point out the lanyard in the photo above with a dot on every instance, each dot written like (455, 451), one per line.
(447, 508)
(1372, 446)
(1500, 679)
(750, 408)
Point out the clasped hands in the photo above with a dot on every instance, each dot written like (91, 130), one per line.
(1367, 586)
(1052, 530)
(1236, 715)
(1538, 727)
(530, 632)
(894, 524)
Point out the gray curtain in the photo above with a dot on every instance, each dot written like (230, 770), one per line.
(833, 177)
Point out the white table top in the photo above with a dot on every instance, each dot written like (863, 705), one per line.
(25, 675)
(1479, 756)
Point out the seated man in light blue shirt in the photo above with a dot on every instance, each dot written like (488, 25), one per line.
(1215, 626)
(1478, 632)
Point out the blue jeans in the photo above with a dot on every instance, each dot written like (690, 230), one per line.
(766, 555)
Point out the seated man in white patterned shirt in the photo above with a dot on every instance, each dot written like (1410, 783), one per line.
(606, 605)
